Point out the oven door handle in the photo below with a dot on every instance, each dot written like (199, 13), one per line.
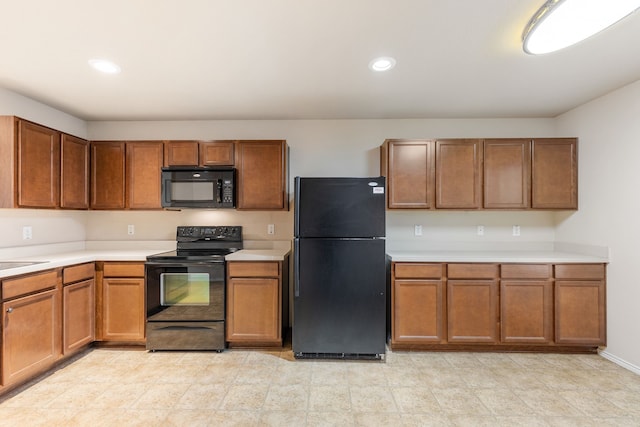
(181, 264)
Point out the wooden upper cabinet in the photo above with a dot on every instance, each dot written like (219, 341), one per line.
(108, 175)
(38, 166)
(409, 167)
(506, 173)
(554, 173)
(74, 173)
(262, 175)
(458, 174)
(216, 153)
(181, 153)
(143, 170)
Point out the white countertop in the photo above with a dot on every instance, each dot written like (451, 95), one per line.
(258, 255)
(547, 257)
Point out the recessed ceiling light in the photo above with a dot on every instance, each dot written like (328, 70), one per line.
(562, 23)
(383, 63)
(104, 66)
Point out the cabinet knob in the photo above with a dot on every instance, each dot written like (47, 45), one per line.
(10, 310)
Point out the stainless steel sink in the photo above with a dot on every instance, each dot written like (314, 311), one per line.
(5, 265)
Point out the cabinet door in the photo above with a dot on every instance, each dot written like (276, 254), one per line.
(410, 174)
(107, 175)
(144, 169)
(78, 308)
(181, 153)
(580, 312)
(74, 174)
(38, 166)
(253, 310)
(458, 174)
(506, 173)
(526, 311)
(472, 311)
(216, 153)
(30, 335)
(261, 168)
(417, 310)
(123, 315)
(554, 174)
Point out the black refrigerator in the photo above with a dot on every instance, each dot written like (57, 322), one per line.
(339, 305)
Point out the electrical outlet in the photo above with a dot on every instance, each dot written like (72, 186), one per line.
(271, 229)
(417, 230)
(516, 230)
(480, 230)
(131, 230)
(27, 232)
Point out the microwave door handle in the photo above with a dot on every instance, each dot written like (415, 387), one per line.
(219, 194)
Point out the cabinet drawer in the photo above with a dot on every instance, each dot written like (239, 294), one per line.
(580, 271)
(29, 284)
(77, 273)
(253, 269)
(418, 271)
(472, 271)
(525, 271)
(123, 269)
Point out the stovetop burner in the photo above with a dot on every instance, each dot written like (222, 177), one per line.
(203, 243)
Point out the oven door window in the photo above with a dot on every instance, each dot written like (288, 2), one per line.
(184, 289)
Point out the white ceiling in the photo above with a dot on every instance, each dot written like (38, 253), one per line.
(301, 59)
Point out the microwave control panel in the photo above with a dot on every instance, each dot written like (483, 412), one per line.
(227, 191)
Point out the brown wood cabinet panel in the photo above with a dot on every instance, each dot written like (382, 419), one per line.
(410, 170)
(253, 310)
(506, 173)
(526, 311)
(30, 335)
(123, 312)
(580, 312)
(526, 271)
(74, 173)
(262, 175)
(78, 308)
(107, 175)
(23, 285)
(407, 270)
(472, 311)
(253, 269)
(554, 173)
(144, 167)
(123, 269)
(181, 153)
(580, 271)
(417, 308)
(217, 153)
(458, 174)
(76, 273)
(472, 271)
(38, 166)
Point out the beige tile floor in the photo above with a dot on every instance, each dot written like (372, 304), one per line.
(108, 387)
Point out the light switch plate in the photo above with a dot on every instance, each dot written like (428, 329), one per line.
(417, 230)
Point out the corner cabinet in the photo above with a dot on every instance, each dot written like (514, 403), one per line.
(74, 173)
(78, 307)
(262, 182)
(120, 305)
(257, 303)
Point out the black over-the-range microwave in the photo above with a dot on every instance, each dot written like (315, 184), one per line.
(193, 187)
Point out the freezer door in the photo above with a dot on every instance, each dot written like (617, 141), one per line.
(339, 207)
(339, 297)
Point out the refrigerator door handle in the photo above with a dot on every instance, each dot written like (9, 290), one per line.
(296, 267)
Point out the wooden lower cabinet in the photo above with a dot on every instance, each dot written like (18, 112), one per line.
(476, 306)
(120, 306)
(78, 307)
(31, 331)
(417, 304)
(257, 303)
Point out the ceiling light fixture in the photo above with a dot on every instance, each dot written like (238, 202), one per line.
(562, 23)
(383, 63)
(104, 66)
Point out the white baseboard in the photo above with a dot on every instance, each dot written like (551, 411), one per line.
(618, 361)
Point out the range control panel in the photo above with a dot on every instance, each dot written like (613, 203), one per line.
(226, 232)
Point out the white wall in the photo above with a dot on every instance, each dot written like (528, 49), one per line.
(609, 130)
(329, 148)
